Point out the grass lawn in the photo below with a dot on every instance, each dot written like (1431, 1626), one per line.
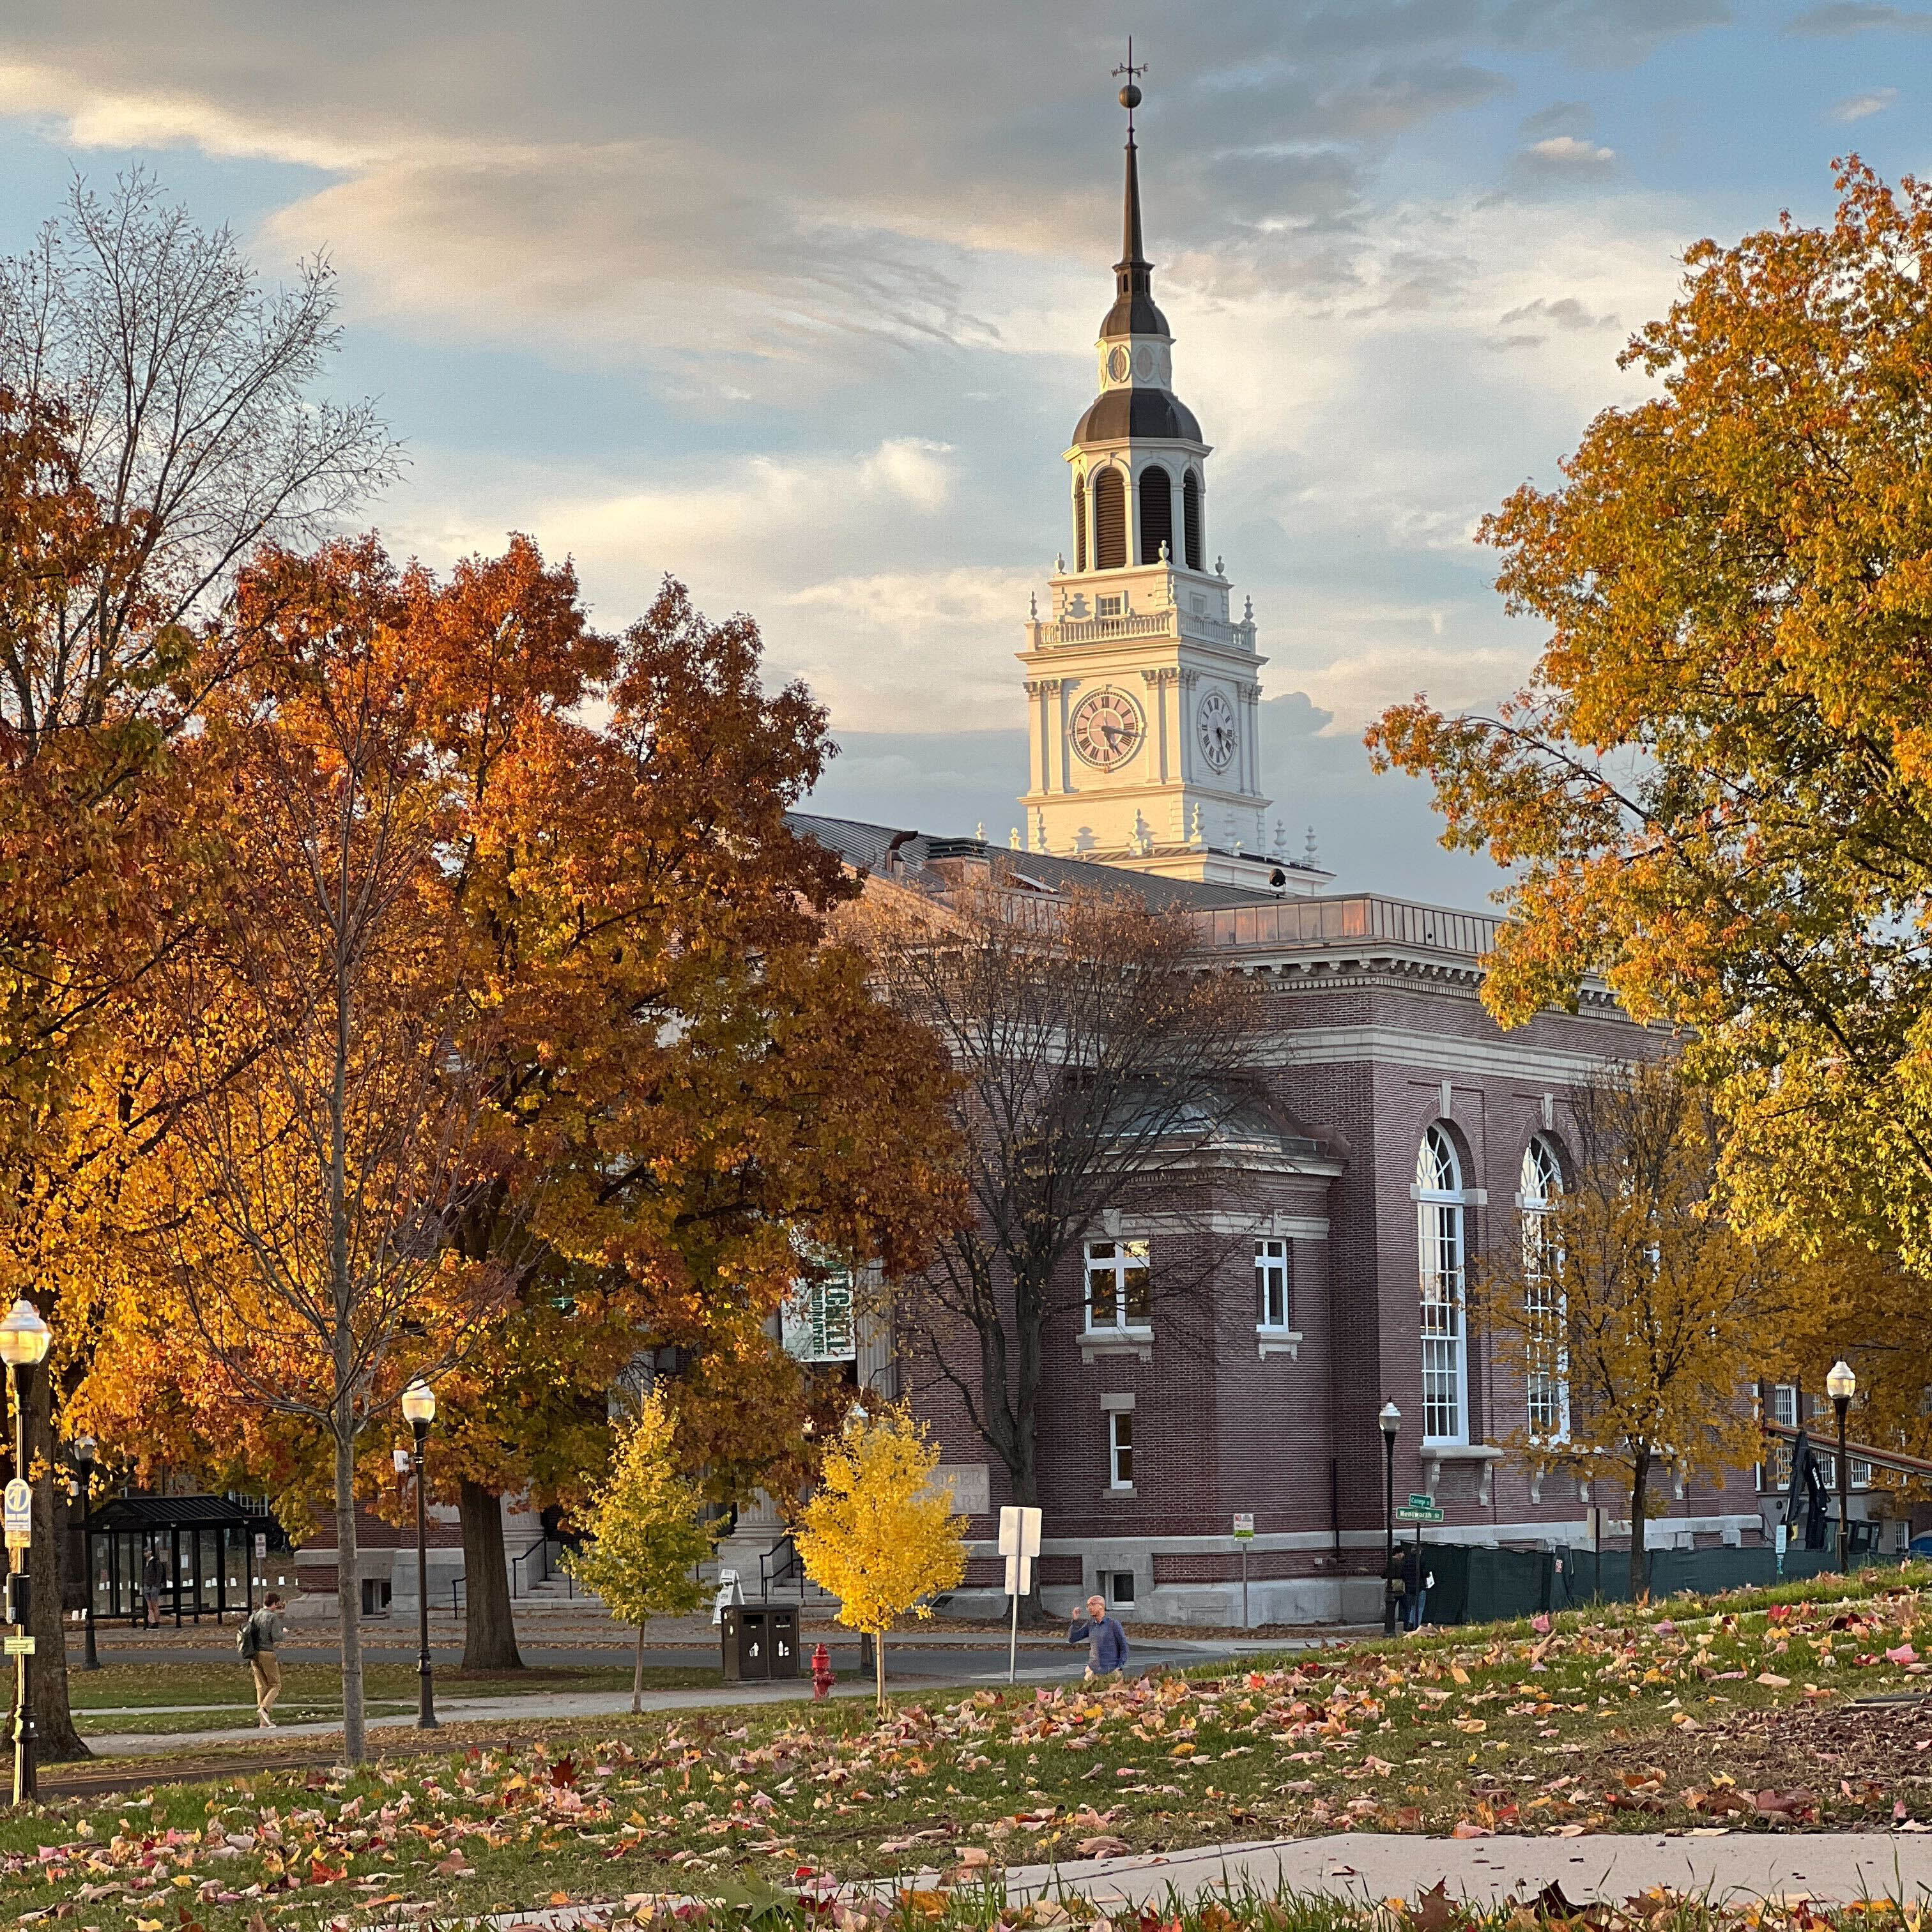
(1739, 1713)
(148, 1697)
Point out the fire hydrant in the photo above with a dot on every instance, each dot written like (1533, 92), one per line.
(822, 1679)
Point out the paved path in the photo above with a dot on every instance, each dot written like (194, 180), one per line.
(935, 1667)
(1832, 1867)
(1837, 1866)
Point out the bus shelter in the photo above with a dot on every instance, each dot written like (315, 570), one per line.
(207, 1545)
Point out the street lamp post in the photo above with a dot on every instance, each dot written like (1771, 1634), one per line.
(419, 1406)
(1841, 1385)
(1391, 1419)
(24, 1338)
(84, 1451)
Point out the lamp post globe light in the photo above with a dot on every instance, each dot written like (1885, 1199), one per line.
(1391, 1420)
(24, 1339)
(84, 1450)
(419, 1409)
(1841, 1385)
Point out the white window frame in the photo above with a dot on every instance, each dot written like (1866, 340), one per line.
(1120, 1449)
(1111, 1262)
(1274, 1277)
(1442, 1256)
(1546, 1306)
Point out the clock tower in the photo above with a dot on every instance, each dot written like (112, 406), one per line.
(1143, 685)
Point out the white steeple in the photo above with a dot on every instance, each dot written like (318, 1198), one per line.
(1143, 690)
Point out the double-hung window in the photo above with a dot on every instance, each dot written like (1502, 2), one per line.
(1120, 1449)
(1119, 1289)
(1274, 1284)
(1440, 1251)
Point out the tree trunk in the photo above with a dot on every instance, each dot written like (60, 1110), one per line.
(879, 1659)
(1639, 1480)
(637, 1676)
(58, 1740)
(355, 1743)
(489, 1629)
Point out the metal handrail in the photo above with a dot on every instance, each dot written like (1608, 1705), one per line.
(541, 1550)
(791, 1565)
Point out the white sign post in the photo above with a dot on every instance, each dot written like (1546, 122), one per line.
(1244, 1534)
(729, 1592)
(1019, 1544)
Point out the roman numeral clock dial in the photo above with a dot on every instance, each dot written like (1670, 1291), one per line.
(1215, 724)
(1107, 729)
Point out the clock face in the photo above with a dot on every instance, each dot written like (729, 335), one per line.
(1215, 723)
(1107, 729)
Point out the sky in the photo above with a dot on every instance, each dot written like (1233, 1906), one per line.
(796, 301)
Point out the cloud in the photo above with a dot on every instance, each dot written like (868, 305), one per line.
(1840, 17)
(1861, 106)
(1564, 157)
(828, 281)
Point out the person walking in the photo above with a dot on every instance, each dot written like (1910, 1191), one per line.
(258, 1640)
(1415, 1582)
(154, 1580)
(1106, 1641)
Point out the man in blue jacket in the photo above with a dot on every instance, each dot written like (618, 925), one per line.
(1106, 1642)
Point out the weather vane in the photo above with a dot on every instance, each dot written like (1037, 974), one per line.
(1130, 95)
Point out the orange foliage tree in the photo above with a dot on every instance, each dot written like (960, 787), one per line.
(1716, 790)
(682, 1085)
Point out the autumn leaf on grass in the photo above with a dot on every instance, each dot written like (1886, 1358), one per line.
(1104, 1847)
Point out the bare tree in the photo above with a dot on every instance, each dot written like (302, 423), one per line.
(188, 390)
(1102, 1063)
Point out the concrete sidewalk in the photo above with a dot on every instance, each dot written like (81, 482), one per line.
(1839, 1867)
(457, 1709)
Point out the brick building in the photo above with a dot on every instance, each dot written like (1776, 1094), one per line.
(1421, 1134)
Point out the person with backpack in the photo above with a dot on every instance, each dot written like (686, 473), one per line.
(257, 1641)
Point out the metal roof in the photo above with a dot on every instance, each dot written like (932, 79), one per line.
(138, 1512)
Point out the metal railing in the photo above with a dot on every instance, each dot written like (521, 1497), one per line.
(543, 1565)
(781, 1570)
(1288, 924)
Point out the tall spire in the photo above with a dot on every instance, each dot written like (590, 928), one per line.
(1132, 255)
(1133, 313)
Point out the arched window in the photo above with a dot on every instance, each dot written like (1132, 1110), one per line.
(1110, 521)
(1440, 1249)
(1079, 523)
(1156, 494)
(1190, 513)
(1546, 1311)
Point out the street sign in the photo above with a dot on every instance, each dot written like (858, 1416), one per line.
(1019, 1544)
(1418, 1501)
(20, 1511)
(19, 1646)
(261, 1546)
(1019, 1532)
(1244, 1525)
(1418, 1515)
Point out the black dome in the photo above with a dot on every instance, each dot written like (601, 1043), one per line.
(1116, 413)
(1134, 313)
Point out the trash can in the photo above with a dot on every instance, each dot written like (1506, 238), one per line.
(747, 1645)
(782, 1630)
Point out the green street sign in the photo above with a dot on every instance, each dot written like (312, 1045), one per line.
(1416, 1501)
(1418, 1515)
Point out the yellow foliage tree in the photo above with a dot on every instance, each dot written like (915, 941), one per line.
(1634, 1314)
(879, 1534)
(648, 1541)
